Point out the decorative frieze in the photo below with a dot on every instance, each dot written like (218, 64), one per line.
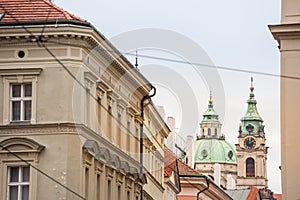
(38, 129)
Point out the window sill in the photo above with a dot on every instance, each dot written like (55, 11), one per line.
(27, 122)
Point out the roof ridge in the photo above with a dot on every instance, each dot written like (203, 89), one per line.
(34, 11)
(174, 157)
(64, 12)
(186, 165)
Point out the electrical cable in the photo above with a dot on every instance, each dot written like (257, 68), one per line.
(42, 43)
(42, 172)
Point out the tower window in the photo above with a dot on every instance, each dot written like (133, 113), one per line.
(216, 132)
(250, 167)
(208, 131)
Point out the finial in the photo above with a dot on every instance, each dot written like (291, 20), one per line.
(210, 98)
(251, 87)
(136, 58)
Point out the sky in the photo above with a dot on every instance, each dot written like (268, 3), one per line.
(218, 38)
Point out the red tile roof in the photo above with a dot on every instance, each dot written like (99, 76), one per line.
(277, 196)
(169, 163)
(184, 169)
(253, 194)
(32, 11)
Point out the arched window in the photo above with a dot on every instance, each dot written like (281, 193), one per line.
(19, 174)
(216, 131)
(208, 131)
(250, 167)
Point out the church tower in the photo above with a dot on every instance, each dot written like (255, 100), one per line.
(213, 155)
(251, 148)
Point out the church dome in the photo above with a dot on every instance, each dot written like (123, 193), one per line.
(214, 151)
(211, 146)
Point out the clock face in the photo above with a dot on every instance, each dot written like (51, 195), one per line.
(249, 143)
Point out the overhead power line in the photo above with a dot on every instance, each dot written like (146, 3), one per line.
(41, 43)
(220, 67)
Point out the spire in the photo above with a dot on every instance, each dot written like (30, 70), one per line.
(251, 87)
(210, 101)
(251, 120)
(136, 58)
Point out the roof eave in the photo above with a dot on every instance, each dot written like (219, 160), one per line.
(47, 22)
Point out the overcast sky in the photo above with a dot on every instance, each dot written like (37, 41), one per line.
(232, 34)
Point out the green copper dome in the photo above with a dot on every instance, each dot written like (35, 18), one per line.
(251, 123)
(214, 151)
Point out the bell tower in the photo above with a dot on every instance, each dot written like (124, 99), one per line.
(251, 148)
(210, 126)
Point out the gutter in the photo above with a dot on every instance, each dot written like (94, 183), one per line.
(143, 105)
(208, 181)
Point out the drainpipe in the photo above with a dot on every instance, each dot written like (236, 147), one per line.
(142, 133)
(207, 183)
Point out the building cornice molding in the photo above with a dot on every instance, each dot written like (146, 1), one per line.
(20, 71)
(37, 129)
(95, 39)
(285, 31)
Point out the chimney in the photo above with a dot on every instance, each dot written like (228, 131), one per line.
(190, 150)
(230, 182)
(161, 111)
(217, 173)
(172, 136)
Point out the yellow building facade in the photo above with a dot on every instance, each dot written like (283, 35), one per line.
(287, 34)
(70, 112)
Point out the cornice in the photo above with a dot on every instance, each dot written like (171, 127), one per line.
(38, 129)
(97, 42)
(284, 31)
(20, 71)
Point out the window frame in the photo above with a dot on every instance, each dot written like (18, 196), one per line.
(20, 183)
(19, 76)
(22, 99)
(29, 151)
(250, 167)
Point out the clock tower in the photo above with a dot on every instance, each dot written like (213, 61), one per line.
(251, 148)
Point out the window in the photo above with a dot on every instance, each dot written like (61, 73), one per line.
(20, 101)
(208, 131)
(216, 132)
(109, 119)
(128, 136)
(87, 106)
(250, 167)
(99, 105)
(108, 190)
(16, 176)
(18, 183)
(128, 195)
(87, 181)
(19, 94)
(119, 136)
(119, 192)
(98, 187)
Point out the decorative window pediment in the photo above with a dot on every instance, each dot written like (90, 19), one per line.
(91, 146)
(115, 161)
(125, 167)
(20, 145)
